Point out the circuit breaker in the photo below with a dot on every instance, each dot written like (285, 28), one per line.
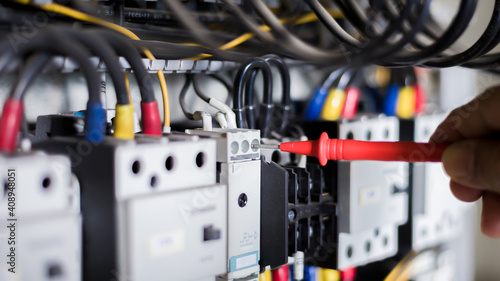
(372, 197)
(152, 206)
(41, 220)
(239, 167)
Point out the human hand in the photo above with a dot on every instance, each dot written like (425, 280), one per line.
(473, 159)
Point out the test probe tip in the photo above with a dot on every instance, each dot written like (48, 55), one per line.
(266, 146)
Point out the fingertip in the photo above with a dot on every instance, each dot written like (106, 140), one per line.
(465, 193)
(458, 161)
(490, 217)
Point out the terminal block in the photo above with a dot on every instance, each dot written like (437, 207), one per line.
(150, 206)
(41, 223)
(239, 167)
(298, 214)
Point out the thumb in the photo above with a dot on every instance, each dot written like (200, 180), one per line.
(474, 163)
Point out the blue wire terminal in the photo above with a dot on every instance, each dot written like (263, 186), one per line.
(95, 123)
(315, 106)
(310, 273)
(391, 100)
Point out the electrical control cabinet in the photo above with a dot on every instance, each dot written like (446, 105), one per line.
(41, 221)
(151, 206)
(239, 167)
(372, 197)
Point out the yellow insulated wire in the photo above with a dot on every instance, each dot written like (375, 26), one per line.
(60, 9)
(127, 83)
(166, 102)
(397, 271)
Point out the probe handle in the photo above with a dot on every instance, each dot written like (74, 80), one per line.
(335, 149)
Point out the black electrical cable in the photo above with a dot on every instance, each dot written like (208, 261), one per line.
(452, 33)
(123, 47)
(398, 22)
(248, 22)
(286, 99)
(485, 62)
(250, 102)
(198, 90)
(241, 80)
(49, 42)
(182, 95)
(226, 84)
(283, 110)
(32, 68)
(355, 15)
(153, 32)
(333, 26)
(286, 41)
(377, 49)
(477, 48)
(100, 48)
(491, 45)
(358, 18)
(167, 50)
(291, 43)
(406, 38)
(198, 31)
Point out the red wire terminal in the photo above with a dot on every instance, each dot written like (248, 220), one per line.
(281, 274)
(10, 123)
(348, 274)
(151, 120)
(336, 149)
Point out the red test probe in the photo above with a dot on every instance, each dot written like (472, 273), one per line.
(336, 149)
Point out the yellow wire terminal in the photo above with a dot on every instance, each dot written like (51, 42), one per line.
(329, 275)
(124, 122)
(266, 276)
(334, 103)
(405, 107)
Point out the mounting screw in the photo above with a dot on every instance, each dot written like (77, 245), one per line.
(291, 215)
(242, 200)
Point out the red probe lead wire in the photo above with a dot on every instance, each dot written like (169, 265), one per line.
(336, 149)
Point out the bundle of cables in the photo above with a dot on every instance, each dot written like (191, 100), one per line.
(79, 46)
(397, 42)
(392, 33)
